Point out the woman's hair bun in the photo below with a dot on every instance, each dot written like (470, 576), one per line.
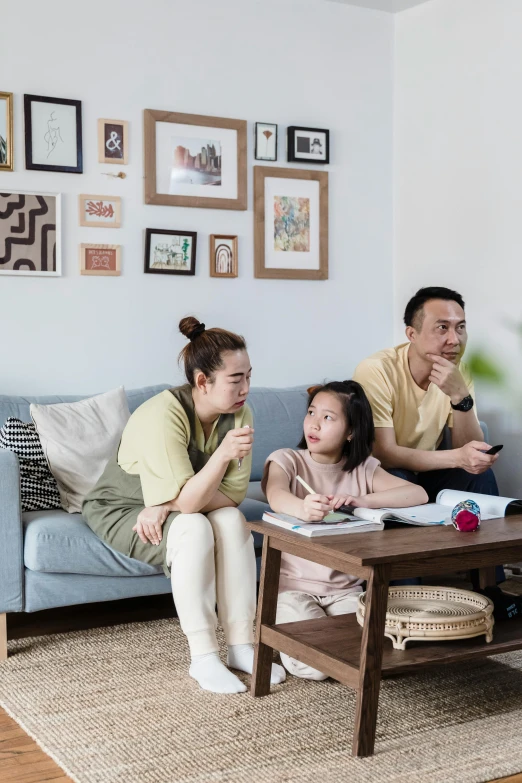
(187, 325)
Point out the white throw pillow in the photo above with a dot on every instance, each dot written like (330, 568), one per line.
(78, 439)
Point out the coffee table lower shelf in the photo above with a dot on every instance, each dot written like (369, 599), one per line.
(333, 645)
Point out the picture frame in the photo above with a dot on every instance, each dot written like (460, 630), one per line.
(290, 223)
(6, 132)
(223, 255)
(170, 252)
(308, 145)
(102, 260)
(30, 234)
(53, 134)
(99, 211)
(113, 141)
(265, 135)
(192, 160)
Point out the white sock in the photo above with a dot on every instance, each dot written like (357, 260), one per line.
(212, 675)
(241, 657)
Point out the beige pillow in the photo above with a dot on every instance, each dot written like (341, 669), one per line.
(78, 439)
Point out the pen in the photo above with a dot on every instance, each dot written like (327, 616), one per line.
(305, 485)
(240, 461)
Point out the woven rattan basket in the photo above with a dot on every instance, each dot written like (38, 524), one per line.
(423, 613)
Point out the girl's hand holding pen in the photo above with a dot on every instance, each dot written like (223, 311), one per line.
(316, 507)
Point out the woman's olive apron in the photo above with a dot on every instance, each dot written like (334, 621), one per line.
(111, 508)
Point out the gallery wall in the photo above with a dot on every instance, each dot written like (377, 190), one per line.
(290, 62)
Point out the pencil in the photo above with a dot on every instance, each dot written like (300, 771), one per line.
(305, 485)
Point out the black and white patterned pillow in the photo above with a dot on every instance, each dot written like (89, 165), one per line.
(38, 486)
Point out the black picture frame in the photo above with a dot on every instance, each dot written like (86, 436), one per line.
(257, 156)
(293, 156)
(28, 122)
(169, 232)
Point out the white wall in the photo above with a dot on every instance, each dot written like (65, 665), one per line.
(303, 62)
(458, 176)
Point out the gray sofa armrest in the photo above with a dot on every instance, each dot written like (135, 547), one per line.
(11, 535)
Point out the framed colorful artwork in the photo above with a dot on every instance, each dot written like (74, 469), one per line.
(266, 141)
(53, 134)
(100, 260)
(195, 161)
(223, 255)
(290, 223)
(308, 145)
(6, 131)
(100, 211)
(113, 141)
(170, 252)
(30, 234)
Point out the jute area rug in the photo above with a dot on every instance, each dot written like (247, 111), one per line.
(115, 705)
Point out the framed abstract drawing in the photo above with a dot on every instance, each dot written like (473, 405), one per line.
(170, 252)
(223, 255)
(6, 131)
(266, 141)
(100, 260)
(30, 234)
(113, 141)
(308, 145)
(195, 161)
(290, 224)
(100, 211)
(53, 134)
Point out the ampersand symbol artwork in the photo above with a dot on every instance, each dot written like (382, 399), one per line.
(113, 143)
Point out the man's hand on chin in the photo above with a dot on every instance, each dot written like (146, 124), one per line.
(447, 376)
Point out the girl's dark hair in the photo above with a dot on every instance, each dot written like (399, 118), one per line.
(359, 420)
(206, 347)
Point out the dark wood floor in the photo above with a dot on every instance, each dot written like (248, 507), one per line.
(21, 760)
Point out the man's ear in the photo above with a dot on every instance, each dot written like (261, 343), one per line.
(411, 334)
(201, 381)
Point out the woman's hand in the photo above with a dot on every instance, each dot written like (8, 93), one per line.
(149, 523)
(237, 444)
(316, 507)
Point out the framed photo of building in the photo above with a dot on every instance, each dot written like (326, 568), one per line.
(6, 131)
(99, 211)
(195, 161)
(266, 141)
(113, 141)
(30, 234)
(169, 252)
(223, 255)
(100, 260)
(290, 223)
(53, 134)
(308, 145)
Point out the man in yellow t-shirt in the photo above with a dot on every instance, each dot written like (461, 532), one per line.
(417, 389)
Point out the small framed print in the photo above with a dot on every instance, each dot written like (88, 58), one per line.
(308, 145)
(223, 255)
(100, 260)
(30, 234)
(113, 144)
(53, 134)
(170, 252)
(266, 141)
(6, 131)
(100, 211)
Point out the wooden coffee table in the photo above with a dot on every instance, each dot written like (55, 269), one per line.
(359, 657)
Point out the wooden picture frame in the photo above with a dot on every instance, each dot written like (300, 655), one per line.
(30, 227)
(316, 143)
(6, 132)
(170, 258)
(53, 133)
(99, 211)
(102, 260)
(113, 141)
(222, 161)
(223, 255)
(306, 207)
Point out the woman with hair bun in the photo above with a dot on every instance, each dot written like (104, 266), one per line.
(169, 497)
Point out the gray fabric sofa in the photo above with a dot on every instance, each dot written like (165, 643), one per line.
(52, 558)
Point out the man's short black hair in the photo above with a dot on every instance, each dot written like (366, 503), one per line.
(413, 312)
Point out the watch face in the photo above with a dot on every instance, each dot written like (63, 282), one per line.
(465, 405)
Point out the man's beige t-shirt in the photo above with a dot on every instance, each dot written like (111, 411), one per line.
(154, 445)
(297, 573)
(417, 416)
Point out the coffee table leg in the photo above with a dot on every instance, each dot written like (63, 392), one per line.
(371, 660)
(266, 614)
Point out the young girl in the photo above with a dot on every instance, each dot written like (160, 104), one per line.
(334, 458)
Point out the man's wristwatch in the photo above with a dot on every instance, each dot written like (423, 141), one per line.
(464, 405)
